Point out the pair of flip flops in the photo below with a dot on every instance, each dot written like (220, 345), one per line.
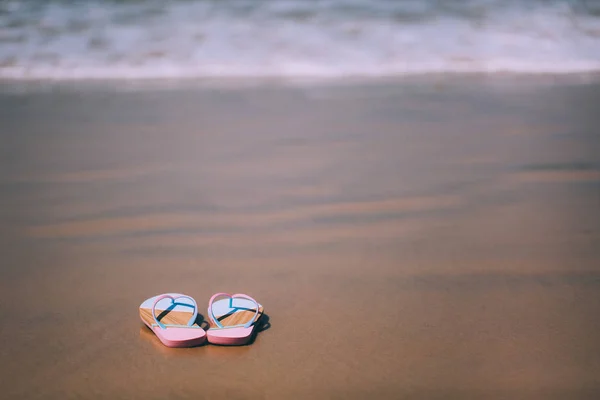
(233, 318)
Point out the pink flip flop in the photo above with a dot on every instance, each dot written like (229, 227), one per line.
(175, 325)
(233, 318)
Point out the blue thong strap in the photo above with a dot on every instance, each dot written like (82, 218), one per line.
(173, 304)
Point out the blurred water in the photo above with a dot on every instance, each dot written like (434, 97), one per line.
(62, 39)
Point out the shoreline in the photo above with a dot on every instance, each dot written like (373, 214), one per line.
(177, 83)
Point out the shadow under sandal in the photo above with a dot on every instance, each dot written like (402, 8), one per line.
(175, 326)
(232, 318)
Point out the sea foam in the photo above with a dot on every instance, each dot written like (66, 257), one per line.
(286, 38)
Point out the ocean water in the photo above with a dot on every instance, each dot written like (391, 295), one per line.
(83, 39)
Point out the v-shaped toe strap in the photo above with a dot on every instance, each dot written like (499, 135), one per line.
(231, 297)
(173, 305)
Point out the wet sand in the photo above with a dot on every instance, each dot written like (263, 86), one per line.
(420, 240)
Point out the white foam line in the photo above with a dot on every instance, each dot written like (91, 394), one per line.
(291, 39)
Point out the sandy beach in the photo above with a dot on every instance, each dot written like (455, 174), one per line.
(431, 238)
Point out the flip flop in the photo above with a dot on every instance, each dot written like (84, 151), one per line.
(175, 325)
(233, 318)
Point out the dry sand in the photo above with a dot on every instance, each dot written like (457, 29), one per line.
(408, 240)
